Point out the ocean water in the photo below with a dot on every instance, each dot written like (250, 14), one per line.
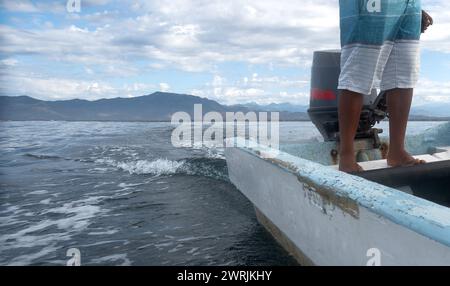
(123, 195)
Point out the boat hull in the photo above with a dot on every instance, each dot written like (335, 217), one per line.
(324, 217)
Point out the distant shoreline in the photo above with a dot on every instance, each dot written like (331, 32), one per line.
(155, 107)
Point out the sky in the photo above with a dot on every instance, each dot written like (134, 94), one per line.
(232, 51)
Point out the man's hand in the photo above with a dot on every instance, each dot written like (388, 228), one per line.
(426, 21)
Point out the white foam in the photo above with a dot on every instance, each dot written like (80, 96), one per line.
(10, 209)
(193, 250)
(176, 248)
(108, 232)
(158, 167)
(215, 153)
(45, 202)
(164, 244)
(98, 170)
(103, 184)
(40, 192)
(123, 185)
(188, 239)
(80, 212)
(81, 218)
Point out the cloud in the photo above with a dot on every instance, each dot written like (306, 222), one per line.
(274, 81)
(431, 91)
(127, 39)
(18, 6)
(195, 35)
(56, 6)
(164, 87)
(27, 6)
(262, 90)
(9, 62)
(62, 88)
(190, 35)
(437, 37)
(95, 2)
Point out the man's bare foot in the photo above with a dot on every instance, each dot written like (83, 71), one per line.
(348, 164)
(402, 159)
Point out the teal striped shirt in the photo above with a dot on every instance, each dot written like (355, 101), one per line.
(373, 22)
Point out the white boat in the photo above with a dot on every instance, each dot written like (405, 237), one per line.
(383, 216)
(325, 217)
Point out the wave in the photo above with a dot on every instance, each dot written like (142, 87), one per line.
(43, 157)
(158, 167)
(206, 167)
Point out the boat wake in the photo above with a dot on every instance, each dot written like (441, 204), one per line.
(214, 168)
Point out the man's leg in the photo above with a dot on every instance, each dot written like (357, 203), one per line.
(399, 104)
(350, 104)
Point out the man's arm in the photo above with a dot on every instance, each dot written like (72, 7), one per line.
(427, 21)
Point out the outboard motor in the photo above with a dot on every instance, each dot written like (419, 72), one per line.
(324, 98)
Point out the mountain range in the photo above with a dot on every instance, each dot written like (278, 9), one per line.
(279, 107)
(432, 109)
(158, 106)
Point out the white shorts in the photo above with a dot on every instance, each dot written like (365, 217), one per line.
(392, 65)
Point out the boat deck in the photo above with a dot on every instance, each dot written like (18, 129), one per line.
(442, 154)
(430, 181)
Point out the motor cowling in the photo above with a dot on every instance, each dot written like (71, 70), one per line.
(324, 98)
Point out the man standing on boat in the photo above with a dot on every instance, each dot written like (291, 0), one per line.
(380, 50)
